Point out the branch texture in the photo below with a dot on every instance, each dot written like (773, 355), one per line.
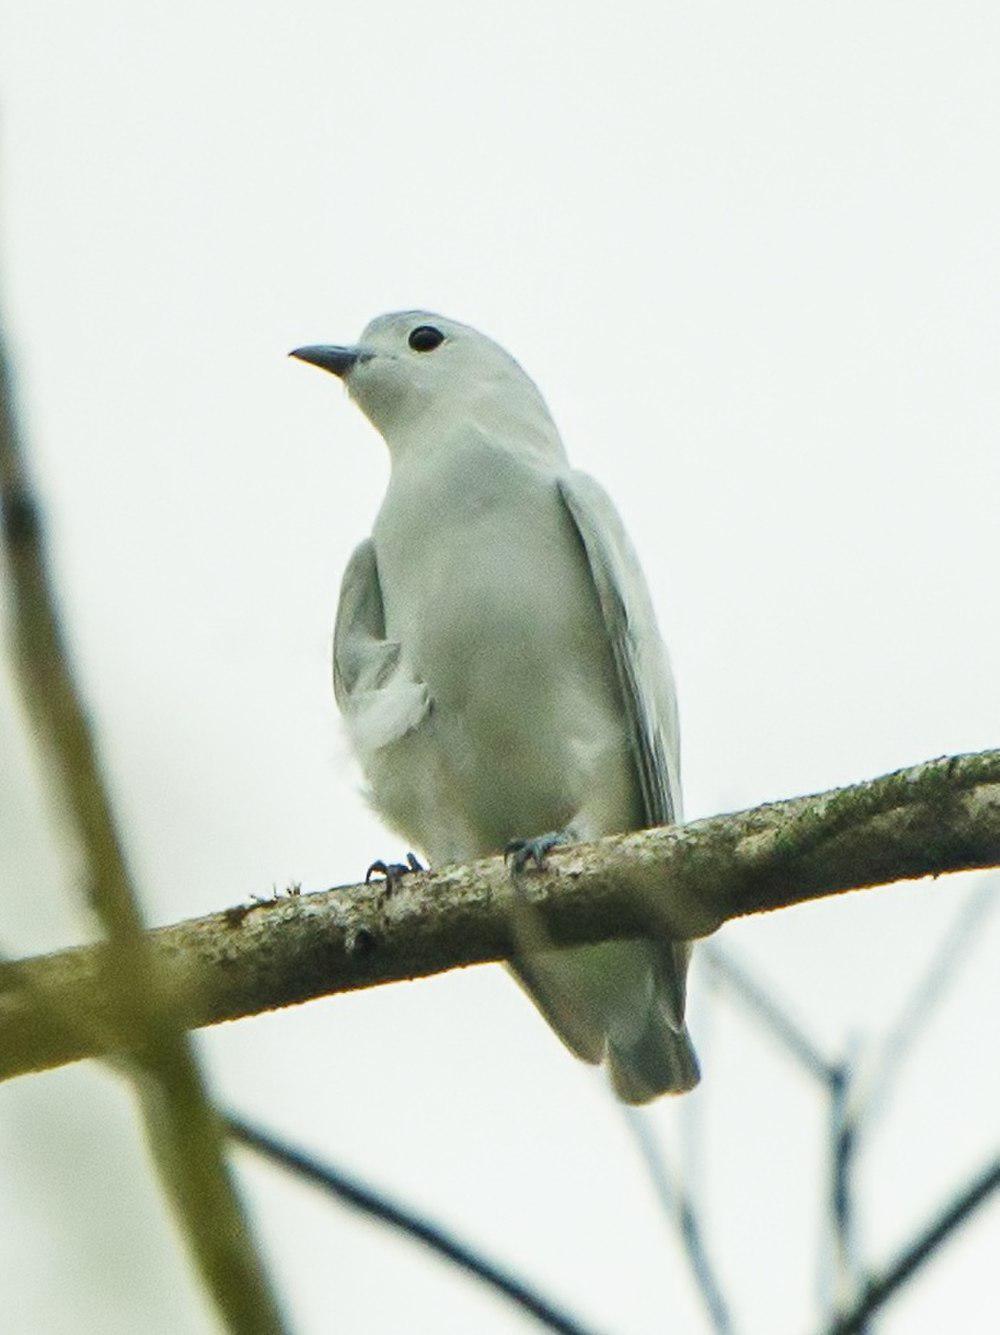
(681, 881)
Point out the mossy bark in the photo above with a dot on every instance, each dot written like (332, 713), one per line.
(681, 881)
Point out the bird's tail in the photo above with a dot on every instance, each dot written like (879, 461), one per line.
(621, 1003)
(661, 1060)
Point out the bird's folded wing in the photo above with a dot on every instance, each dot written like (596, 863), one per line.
(640, 659)
(378, 696)
(644, 675)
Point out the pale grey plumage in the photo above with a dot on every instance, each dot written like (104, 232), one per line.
(499, 668)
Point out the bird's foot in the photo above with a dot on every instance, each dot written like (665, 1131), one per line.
(519, 852)
(392, 871)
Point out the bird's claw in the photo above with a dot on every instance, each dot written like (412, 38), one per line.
(519, 852)
(392, 871)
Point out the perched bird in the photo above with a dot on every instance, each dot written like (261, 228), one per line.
(499, 668)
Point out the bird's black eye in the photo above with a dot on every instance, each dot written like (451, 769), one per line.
(425, 338)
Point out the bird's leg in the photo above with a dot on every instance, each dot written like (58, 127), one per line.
(392, 871)
(519, 852)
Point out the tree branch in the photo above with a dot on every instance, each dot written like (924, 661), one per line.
(680, 881)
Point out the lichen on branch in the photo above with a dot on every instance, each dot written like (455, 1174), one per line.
(682, 881)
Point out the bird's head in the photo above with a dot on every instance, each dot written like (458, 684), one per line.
(419, 377)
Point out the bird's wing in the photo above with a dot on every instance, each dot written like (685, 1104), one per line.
(378, 696)
(641, 664)
(644, 678)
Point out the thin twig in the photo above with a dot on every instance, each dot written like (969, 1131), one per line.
(843, 1227)
(774, 1017)
(702, 999)
(861, 1091)
(681, 882)
(378, 1206)
(839, 1275)
(184, 1133)
(678, 1206)
(880, 1288)
(926, 996)
(840, 1136)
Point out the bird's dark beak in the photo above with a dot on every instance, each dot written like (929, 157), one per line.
(329, 357)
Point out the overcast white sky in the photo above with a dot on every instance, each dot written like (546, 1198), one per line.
(749, 253)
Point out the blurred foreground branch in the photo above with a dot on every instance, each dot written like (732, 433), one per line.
(680, 881)
(343, 1186)
(184, 1132)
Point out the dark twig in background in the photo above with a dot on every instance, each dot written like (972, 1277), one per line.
(843, 1252)
(838, 1252)
(925, 998)
(184, 1134)
(880, 1288)
(773, 1017)
(865, 1086)
(857, 1091)
(679, 1208)
(373, 1203)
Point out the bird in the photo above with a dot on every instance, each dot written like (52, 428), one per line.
(499, 669)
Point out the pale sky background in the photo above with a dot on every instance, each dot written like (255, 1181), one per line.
(750, 255)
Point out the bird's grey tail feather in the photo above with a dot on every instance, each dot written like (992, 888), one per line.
(544, 978)
(660, 1061)
(616, 1003)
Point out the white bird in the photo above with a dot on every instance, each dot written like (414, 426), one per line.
(499, 668)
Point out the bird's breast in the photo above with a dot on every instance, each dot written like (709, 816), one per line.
(486, 586)
(483, 576)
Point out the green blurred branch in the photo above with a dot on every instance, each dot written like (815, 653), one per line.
(184, 1132)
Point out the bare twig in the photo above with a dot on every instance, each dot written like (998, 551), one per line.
(880, 1288)
(838, 1250)
(844, 1132)
(774, 1017)
(681, 881)
(184, 1134)
(373, 1203)
(702, 999)
(924, 999)
(851, 1107)
(841, 1137)
(679, 1207)
(861, 1090)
